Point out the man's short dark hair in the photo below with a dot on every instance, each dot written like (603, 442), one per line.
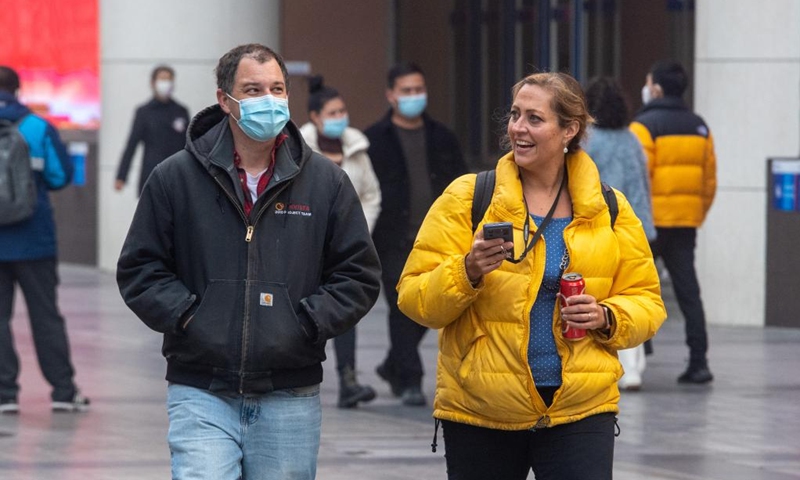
(9, 80)
(228, 63)
(671, 76)
(606, 103)
(401, 70)
(159, 69)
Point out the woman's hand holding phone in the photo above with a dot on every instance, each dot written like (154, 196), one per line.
(487, 254)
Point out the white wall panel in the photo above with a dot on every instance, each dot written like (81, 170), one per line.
(137, 36)
(747, 86)
(745, 29)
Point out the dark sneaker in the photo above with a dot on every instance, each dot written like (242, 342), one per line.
(413, 397)
(79, 403)
(350, 396)
(9, 406)
(696, 375)
(394, 382)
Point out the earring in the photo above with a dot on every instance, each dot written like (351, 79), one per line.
(566, 150)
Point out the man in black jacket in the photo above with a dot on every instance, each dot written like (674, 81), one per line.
(247, 251)
(415, 158)
(159, 124)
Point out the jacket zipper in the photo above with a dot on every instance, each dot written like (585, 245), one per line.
(248, 238)
(246, 320)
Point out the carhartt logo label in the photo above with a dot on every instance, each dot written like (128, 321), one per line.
(266, 300)
(293, 209)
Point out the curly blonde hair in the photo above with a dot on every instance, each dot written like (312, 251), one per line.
(569, 103)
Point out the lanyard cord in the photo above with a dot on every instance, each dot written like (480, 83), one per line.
(526, 228)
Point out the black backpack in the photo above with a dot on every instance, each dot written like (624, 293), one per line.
(484, 188)
(17, 183)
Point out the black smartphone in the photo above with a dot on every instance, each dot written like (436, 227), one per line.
(502, 230)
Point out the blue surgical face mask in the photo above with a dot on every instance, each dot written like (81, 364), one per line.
(262, 118)
(412, 106)
(334, 127)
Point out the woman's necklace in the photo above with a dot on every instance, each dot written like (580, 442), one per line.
(553, 285)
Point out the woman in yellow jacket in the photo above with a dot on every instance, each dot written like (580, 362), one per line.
(512, 393)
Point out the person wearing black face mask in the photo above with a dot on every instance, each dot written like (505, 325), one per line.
(159, 124)
(248, 251)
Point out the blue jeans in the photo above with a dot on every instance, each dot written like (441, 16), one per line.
(270, 437)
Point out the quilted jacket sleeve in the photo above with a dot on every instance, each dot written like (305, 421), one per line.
(635, 296)
(434, 289)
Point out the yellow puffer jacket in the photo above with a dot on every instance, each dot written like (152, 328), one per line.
(681, 161)
(483, 375)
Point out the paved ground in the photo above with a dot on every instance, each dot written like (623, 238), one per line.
(745, 426)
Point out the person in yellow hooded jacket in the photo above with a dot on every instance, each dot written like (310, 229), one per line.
(683, 174)
(512, 393)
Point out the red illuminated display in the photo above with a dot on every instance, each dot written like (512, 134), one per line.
(53, 45)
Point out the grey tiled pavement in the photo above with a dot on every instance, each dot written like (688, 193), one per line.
(745, 426)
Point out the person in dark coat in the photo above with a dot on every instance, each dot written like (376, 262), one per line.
(28, 258)
(248, 251)
(415, 157)
(160, 124)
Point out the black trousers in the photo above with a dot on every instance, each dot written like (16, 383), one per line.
(345, 347)
(583, 450)
(676, 247)
(38, 280)
(402, 361)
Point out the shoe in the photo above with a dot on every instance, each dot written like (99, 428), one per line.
(350, 397)
(696, 375)
(350, 391)
(631, 382)
(394, 382)
(9, 406)
(79, 403)
(413, 397)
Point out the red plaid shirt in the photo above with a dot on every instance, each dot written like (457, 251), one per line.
(263, 180)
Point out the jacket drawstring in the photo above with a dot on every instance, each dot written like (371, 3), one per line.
(435, 434)
(617, 430)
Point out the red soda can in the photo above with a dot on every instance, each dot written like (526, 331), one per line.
(571, 284)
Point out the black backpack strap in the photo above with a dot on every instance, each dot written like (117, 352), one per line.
(611, 200)
(484, 188)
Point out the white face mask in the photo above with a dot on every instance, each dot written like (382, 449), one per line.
(647, 95)
(163, 88)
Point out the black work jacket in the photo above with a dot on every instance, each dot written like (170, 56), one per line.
(261, 293)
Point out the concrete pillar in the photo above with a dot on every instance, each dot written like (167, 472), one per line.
(747, 87)
(134, 38)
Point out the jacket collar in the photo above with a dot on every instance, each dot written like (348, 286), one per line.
(584, 188)
(676, 103)
(386, 121)
(10, 107)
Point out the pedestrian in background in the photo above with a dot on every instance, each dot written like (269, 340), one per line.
(621, 162)
(683, 178)
(415, 157)
(28, 258)
(247, 251)
(329, 133)
(512, 393)
(159, 124)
